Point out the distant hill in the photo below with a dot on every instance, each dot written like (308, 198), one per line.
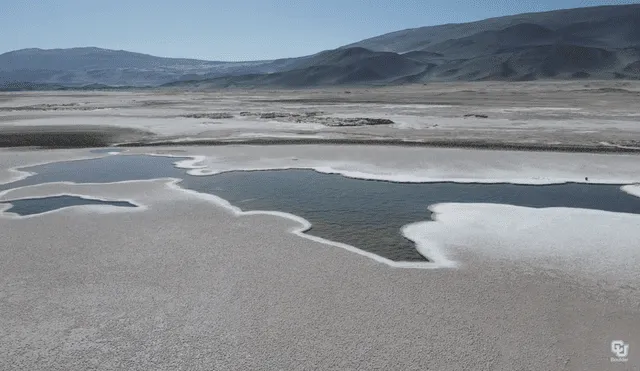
(84, 66)
(89, 58)
(596, 42)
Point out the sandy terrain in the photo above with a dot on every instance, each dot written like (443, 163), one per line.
(582, 115)
(156, 288)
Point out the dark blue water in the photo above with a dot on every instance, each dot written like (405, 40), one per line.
(33, 206)
(366, 214)
(107, 169)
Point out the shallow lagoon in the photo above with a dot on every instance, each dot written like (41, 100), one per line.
(362, 213)
(34, 206)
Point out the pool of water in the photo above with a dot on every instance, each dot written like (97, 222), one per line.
(33, 206)
(362, 213)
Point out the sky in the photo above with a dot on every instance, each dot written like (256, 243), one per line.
(237, 30)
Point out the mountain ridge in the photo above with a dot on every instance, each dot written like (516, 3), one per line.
(559, 18)
(595, 42)
(93, 65)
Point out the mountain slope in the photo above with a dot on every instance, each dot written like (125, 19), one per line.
(336, 67)
(616, 25)
(597, 42)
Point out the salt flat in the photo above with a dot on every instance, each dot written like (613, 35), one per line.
(183, 283)
(633, 189)
(586, 114)
(415, 164)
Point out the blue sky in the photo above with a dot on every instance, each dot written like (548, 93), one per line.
(237, 29)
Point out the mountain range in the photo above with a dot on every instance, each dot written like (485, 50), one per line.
(595, 42)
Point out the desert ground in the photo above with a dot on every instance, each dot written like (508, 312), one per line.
(583, 115)
(189, 282)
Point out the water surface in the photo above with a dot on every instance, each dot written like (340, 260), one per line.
(33, 206)
(363, 213)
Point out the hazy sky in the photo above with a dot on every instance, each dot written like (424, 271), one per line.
(236, 29)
